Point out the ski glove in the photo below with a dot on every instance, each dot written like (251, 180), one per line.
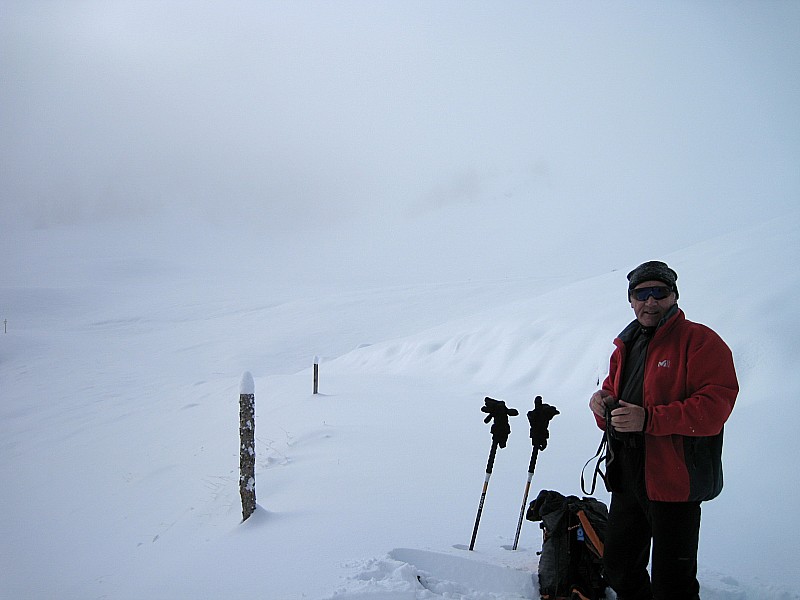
(539, 419)
(498, 411)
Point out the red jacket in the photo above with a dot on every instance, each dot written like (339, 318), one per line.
(689, 390)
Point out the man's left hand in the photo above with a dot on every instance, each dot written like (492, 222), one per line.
(628, 418)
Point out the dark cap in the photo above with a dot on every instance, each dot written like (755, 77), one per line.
(653, 270)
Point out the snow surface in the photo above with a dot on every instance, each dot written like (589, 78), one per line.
(121, 371)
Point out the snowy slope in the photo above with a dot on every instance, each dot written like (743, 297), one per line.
(119, 418)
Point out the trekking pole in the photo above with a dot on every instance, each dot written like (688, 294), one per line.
(497, 410)
(539, 418)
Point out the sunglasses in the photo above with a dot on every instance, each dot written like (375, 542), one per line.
(659, 292)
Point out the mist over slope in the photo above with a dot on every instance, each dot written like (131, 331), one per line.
(119, 416)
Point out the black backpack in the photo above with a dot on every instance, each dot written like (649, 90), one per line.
(571, 560)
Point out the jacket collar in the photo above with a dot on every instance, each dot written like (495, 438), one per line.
(634, 326)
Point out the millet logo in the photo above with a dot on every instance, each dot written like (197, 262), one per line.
(664, 363)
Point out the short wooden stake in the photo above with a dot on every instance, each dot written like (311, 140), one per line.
(316, 374)
(247, 445)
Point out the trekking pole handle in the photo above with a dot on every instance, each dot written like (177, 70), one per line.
(492, 455)
(532, 464)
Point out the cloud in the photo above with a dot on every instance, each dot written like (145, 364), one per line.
(270, 110)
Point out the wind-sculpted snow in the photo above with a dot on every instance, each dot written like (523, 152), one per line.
(413, 574)
(425, 575)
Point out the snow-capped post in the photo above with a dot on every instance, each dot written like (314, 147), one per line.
(247, 445)
(316, 374)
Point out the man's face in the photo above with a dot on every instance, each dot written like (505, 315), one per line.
(650, 311)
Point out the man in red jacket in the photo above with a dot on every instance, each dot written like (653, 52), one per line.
(671, 387)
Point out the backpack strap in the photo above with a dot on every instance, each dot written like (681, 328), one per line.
(597, 544)
(604, 453)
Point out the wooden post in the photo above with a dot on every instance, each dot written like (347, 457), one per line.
(316, 374)
(247, 445)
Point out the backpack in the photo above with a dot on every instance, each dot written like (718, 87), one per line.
(571, 560)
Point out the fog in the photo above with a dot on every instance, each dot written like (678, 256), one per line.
(439, 145)
(289, 115)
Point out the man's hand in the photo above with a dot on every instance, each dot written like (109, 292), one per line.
(598, 402)
(628, 418)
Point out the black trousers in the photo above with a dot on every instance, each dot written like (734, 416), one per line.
(673, 529)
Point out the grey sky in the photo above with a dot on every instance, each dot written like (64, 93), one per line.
(277, 109)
